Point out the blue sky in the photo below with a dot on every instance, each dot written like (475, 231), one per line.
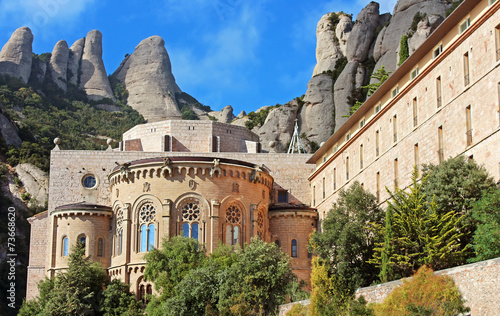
(246, 53)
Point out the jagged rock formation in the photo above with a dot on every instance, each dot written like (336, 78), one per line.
(94, 79)
(225, 115)
(277, 130)
(59, 64)
(147, 75)
(424, 29)
(16, 55)
(35, 181)
(9, 132)
(317, 113)
(74, 60)
(404, 12)
(347, 53)
(331, 40)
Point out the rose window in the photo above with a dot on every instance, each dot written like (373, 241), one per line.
(233, 215)
(190, 212)
(147, 213)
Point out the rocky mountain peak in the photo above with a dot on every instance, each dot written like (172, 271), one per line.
(17, 54)
(147, 75)
(59, 64)
(94, 79)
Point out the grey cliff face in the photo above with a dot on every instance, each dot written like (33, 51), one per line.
(59, 64)
(400, 23)
(75, 57)
(363, 33)
(147, 75)
(9, 132)
(277, 130)
(317, 113)
(17, 54)
(225, 115)
(35, 181)
(94, 79)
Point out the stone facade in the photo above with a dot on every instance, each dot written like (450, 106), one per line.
(430, 109)
(125, 185)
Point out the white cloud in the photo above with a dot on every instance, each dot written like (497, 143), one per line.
(41, 14)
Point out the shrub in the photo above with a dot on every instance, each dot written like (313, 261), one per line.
(298, 310)
(404, 50)
(424, 294)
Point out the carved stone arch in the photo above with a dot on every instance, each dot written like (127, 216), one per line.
(203, 203)
(146, 210)
(235, 220)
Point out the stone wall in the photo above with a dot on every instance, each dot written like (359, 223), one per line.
(38, 252)
(479, 284)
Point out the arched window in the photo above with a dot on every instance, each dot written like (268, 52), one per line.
(119, 231)
(100, 247)
(294, 248)
(190, 215)
(65, 246)
(277, 242)
(119, 242)
(149, 289)
(234, 217)
(147, 216)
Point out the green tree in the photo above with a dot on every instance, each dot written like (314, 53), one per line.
(257, 283)
(404, 50)
(386, 269)
(420, 234)
(348, 236)
(167, 266)
(80, 291)
(456, 184)
(486, 239)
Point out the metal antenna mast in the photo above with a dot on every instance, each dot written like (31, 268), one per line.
(296, 142)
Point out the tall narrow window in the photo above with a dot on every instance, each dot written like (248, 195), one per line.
(438, 91)
(65, 246)
(395, 127)
(151, 236)
(119, 231)
(323, 185)
(378, 187)
(466, 69)
(334, 179)
(440, 144)
(119, 242)
(415, 154)
(377, 143)
(361, 156)
(415, 112)
(100, 247)
(347, 168)
(497, 41)
(396, 173)
(234, 220)
(468, 126)
(294, 248)
(314, 195)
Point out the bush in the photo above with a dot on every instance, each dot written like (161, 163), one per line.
(424, 294)
(404, 49)
(298, 310)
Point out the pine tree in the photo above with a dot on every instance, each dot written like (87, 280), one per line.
(416, 234)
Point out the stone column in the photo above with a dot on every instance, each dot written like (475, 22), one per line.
(165, 229)
(214, 217)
